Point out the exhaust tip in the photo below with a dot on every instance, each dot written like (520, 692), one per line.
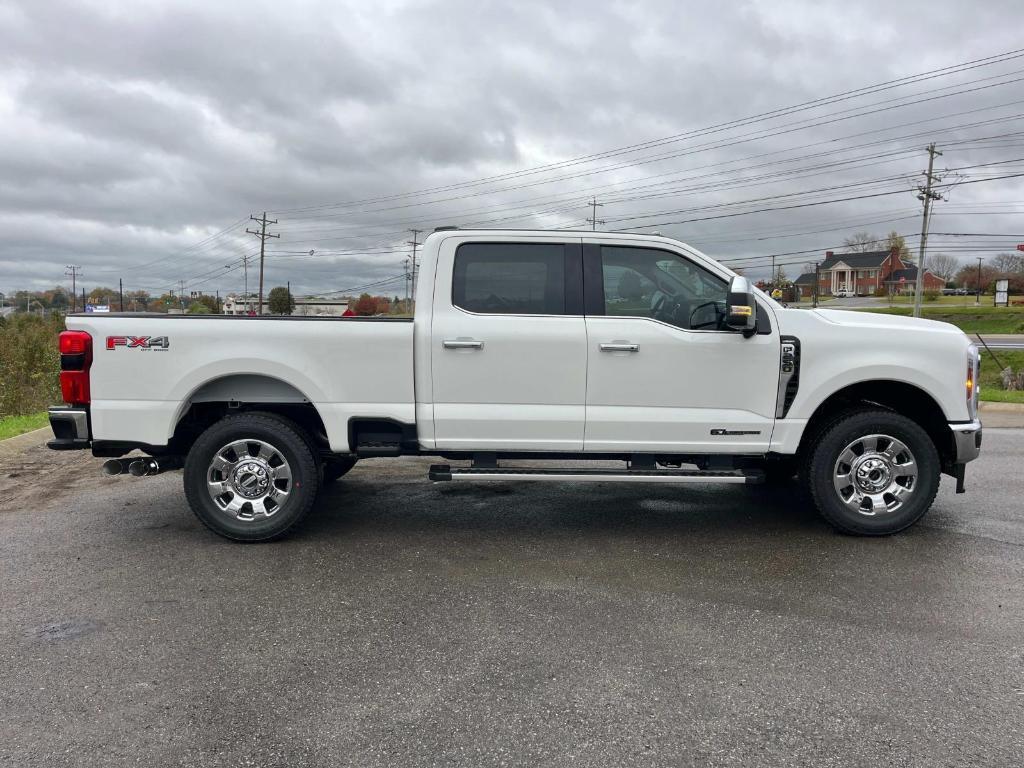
(113, 467)
(140, 467)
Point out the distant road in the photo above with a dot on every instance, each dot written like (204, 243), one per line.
(1002, 340)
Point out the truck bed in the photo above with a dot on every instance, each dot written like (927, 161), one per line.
(148, 369)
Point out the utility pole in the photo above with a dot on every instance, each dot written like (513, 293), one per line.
(289, 289)
(593, 221)
(262, 235)
(120, 292)
(927, 196)
(74, 291)
(415, 244)
(977, 288)
(817, 281)
(181, 294)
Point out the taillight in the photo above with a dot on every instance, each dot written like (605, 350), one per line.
(75, 360)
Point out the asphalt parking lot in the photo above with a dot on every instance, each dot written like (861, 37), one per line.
(592, 625)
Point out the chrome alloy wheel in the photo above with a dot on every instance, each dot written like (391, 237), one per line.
(249, 479)
(875, 474)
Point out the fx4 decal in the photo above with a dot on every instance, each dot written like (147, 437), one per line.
(159, 343)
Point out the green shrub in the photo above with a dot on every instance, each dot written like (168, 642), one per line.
(29, 364)
(881, 292)
(930, 295)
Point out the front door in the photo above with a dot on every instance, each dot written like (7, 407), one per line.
(509, 346)
(663, 372)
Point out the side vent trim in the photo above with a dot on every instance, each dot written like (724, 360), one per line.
(789, 374)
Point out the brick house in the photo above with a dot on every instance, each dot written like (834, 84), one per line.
(865, 273)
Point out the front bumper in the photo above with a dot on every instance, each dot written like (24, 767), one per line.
(70, 427)
(966, 441)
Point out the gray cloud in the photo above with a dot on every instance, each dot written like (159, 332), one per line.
(130, 132)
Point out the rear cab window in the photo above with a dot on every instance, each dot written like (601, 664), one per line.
(510, 278)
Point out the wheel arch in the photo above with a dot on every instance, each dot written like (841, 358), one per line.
(898, 396)
(240, 392)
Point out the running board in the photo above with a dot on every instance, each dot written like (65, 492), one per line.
(441, 473)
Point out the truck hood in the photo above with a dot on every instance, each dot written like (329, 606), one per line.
(876, 320)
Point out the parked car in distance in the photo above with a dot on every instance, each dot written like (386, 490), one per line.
(563, 346)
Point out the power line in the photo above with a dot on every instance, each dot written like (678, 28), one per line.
(778, 112)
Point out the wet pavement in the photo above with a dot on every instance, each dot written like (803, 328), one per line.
(406, 623)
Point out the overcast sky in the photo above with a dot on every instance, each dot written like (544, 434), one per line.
(136, 137)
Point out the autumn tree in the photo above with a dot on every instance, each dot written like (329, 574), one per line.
(968, 277)
(106, 296)
(367, 305)
(896, 240)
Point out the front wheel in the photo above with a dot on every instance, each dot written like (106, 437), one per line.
(873, 473)
(251, 477)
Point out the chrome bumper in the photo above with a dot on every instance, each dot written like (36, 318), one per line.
(967, 440)
(70, 428)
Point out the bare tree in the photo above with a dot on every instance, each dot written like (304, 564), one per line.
(862, 242)
(943, 265)
(1008, 263)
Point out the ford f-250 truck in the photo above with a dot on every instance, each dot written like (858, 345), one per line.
(559, 346)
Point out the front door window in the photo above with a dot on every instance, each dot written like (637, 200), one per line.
(661, 285)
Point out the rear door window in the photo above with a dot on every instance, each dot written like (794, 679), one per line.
(510, 278)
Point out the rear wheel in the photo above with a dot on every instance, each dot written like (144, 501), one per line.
(873, 473)
(251, 477)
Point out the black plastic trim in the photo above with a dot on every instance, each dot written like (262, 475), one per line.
(573, 279)
(593, 283)
(73, 362)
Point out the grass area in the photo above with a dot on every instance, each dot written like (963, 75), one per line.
(16, 425)
(991, 379)
(958, 301)
(1000, 396)
(969, 319)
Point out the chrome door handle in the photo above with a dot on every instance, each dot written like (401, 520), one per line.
(462, 344)
(616, 347)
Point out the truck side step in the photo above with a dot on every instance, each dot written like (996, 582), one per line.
(440, 473)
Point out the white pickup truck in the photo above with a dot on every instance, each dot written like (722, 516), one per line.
(551, 346)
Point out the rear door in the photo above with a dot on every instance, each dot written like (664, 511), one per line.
(663, 372)
(509, 345)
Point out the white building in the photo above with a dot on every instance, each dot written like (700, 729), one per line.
(314, 307)
(320, 307)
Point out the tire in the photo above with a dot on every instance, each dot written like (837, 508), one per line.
(872, 473)
(334, 469)
(265, 470)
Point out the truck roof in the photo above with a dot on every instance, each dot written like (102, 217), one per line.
(512, 231)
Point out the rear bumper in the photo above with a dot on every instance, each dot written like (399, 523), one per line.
(967, 441)
(70, 427)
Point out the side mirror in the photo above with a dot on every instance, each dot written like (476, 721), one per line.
(740, 307)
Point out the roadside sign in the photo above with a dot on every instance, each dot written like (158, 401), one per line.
(1020, 246)
(97, 307)
(1002, 293)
